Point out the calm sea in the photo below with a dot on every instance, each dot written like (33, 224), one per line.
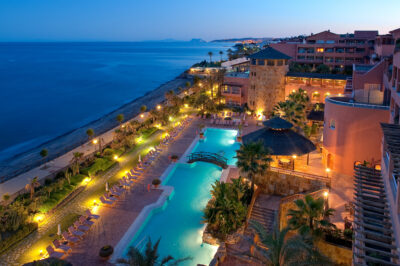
(47, 89)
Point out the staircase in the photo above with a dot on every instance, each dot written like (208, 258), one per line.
(265, 216)
(349, 85)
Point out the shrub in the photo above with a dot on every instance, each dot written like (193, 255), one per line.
(106, 251)
(156, 182)
(23, 232)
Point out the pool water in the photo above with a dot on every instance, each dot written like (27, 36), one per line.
(178, 223)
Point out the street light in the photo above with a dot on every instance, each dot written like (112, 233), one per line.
(94, 141)
(327, 170)
(294, 156)
(158, 107)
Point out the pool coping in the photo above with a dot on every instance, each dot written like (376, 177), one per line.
(148, 209)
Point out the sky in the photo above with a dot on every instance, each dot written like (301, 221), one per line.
(139, 20)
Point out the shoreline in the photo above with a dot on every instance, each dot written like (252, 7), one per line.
(76, 137)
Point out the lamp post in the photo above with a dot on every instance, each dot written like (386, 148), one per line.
(294, 156)
(327, 170)
(326, 195)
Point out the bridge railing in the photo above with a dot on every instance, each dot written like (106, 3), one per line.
(208, 156)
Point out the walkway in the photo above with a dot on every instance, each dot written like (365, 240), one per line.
(79, 204)
(108, 231)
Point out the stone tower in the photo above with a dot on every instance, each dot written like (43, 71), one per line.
(267, 79)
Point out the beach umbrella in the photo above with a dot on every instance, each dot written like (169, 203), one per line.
(59, 229)
(107, 186)
(140, 159)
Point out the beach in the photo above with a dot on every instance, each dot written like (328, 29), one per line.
(77, 137)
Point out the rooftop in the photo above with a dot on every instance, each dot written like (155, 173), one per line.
(346, 101)
(317, 75)
(269, 53)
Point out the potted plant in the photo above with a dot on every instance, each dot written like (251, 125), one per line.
(201, 127)
(156, 182)
(106, 251)
(174, 158)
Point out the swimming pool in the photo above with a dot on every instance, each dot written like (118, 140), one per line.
(178, 222)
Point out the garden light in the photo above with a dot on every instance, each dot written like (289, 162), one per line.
(116, 157)
(326, 194)
(294, 156)
(158, 107)
(94, 141)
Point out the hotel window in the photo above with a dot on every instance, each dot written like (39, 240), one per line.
(226, 89)
(330, 41)
(339, 50)
(279, 62)
(328, 50)
(320, 41)
(360, 50)
(310, 58)
(301, 57)
(301, 50)
(329, 59)
(260, 62)
(253, 62)
(320, 50)
(235, 90)
(319, 58)
(270, 62)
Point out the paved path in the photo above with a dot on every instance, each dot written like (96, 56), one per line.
(77, 205)
(18, 183)
(108, 231)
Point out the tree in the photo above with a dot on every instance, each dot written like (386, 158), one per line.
(90, 133)
(76, 160)
(33, 183)
(253, 159)
(120, 118)
(143, 108)
(226, 212)
(149, 257)
(6, 197)
(68, 175)
(311, 216)
(323, 69)
(187, 84)
(221, 53)
(285, 250)
(44, 153)
(210, 54)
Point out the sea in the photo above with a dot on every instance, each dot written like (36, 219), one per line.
(48, 89)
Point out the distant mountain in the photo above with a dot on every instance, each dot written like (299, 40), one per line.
(197, 40)
(249, 39)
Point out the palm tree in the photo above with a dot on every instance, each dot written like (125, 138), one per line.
(221, 53)
(285, 250)
(149, 257)
(143, 108)
(76, 158)
(253, 159)
(90, 133)
(120, 118)
(187, 84)
(311, 216)
(210, 54)
(33, 183)
(43, 154)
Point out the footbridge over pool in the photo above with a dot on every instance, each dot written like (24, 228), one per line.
(208, 157)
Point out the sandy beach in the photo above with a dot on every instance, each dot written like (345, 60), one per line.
(25, 161)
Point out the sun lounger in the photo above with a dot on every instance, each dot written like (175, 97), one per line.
(85, 221)
(53, 253)
(75, 232)
(69, 238)
(104, 201)
(91, 215)
(61, 247)
(115, 193)
(109, 198)
(81, 227)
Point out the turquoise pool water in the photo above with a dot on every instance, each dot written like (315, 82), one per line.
(178, 223)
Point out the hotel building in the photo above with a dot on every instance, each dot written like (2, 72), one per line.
(334, 50)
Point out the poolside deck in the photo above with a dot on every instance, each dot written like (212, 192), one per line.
(115, 220)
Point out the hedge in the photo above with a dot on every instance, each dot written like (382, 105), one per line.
(100, 164)
(17, 236)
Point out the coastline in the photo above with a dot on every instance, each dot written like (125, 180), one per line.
(62, 144)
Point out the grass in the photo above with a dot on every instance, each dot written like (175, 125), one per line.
(57, 196)
(33, 252)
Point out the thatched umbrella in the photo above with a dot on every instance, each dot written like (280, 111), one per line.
(278, 136)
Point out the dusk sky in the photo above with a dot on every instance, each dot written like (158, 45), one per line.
(133, 20)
